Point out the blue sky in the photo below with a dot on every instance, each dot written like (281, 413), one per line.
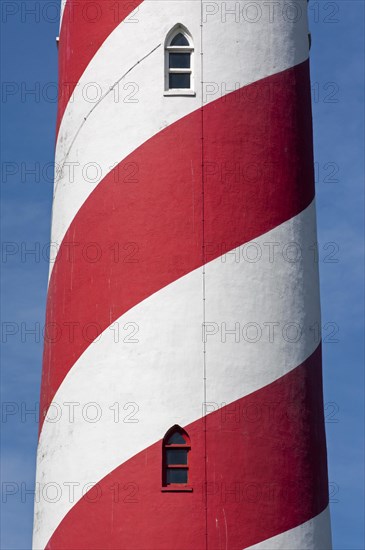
(29, 61)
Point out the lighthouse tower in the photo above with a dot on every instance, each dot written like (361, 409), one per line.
(181, 399)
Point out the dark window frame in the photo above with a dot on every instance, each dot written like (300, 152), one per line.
(175, 487)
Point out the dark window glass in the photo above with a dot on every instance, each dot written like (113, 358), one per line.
(179, 61)
(176, 456)
(176, 475)
(179, 80)
(176, 439)
(179, 40)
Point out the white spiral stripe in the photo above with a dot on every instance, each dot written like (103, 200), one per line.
(314, 534)
(62, 11)
(171, 320)
(118, 125)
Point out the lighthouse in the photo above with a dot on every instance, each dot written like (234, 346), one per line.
(181, 395)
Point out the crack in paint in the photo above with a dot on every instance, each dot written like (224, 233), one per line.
(111, 88)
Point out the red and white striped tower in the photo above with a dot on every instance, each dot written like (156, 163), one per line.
(184, 298)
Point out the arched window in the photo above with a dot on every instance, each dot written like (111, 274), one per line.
(176, 448)
(179, 51)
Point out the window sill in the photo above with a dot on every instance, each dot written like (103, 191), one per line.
(177, 489)
(190, 93)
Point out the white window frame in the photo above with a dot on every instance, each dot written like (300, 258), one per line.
(179, 29)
